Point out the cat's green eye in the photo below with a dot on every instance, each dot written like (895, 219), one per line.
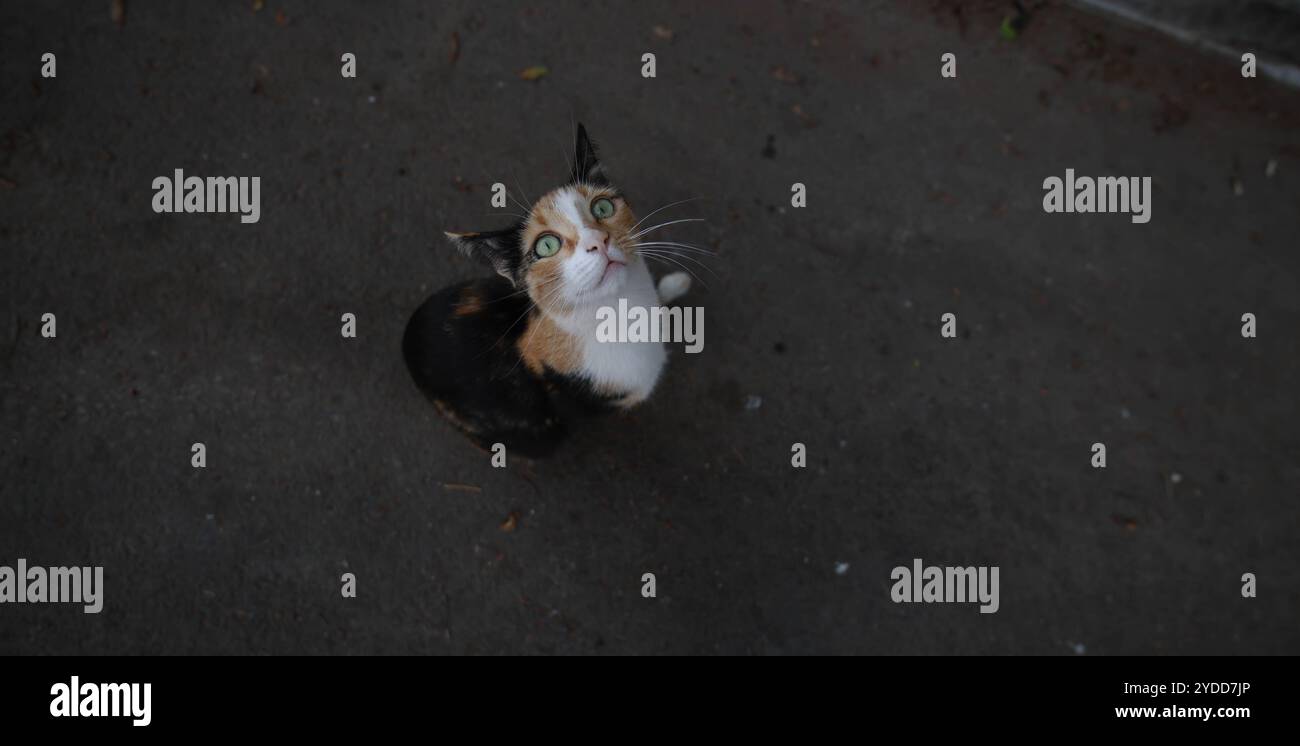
(547, 245)
(602, 208)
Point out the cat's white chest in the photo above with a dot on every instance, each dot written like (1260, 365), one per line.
(629, 368)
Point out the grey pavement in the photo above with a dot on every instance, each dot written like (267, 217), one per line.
(924, 197)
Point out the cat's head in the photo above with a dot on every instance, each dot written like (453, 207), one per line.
(577, 244)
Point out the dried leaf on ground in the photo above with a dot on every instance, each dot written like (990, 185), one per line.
(783, 74)
(534, 73)
(510, 523)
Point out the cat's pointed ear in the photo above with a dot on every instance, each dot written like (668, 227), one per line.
(500, 248)
(587, 168)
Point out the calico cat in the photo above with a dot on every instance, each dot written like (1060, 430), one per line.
(508, 359)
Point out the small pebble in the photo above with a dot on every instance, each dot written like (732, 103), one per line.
(753, 402)
(841, 568)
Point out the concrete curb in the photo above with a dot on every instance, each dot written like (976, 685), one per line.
(1272, 62)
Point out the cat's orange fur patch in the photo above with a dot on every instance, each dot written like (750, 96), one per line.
(469, 303)
(543, 278)
(545, 345)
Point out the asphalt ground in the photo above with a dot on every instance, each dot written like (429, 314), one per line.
(924, 198)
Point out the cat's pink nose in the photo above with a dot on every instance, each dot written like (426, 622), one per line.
(599, 243)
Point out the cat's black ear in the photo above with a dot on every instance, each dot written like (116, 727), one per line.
(587, 167)
(501, 248)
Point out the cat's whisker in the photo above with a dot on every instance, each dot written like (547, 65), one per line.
(679, 255)
(688, 257)
(522, 193)
(685, 251)
(515, 294)
(677, 264)
(683, 246)
(522, 206)
(564, 147)
(508, 214)
(550, 296)
(488, 180)
(667, 258)
(640, 233)
(661, 209)
(567, 163)
(531, 305)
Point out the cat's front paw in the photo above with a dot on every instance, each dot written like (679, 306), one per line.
(673, 286)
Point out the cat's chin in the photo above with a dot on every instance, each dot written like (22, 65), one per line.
(610, 285)
(613, 278)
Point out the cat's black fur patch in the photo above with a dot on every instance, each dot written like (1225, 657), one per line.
(500, 248)
(460, 347)
(575, 396)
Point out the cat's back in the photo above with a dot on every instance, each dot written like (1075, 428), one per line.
(464, 334)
